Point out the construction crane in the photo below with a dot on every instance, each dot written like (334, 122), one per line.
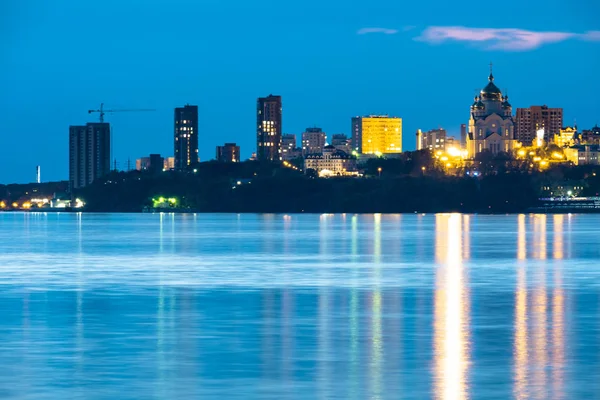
(102, 111)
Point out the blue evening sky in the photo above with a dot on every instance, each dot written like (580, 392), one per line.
(60, 58)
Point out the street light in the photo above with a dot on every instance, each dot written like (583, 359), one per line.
(379, 171)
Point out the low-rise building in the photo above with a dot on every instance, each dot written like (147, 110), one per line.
(589, 136)
(433, 140)
(331, 162)
(153, 163)
(583, 154)
(169, 163)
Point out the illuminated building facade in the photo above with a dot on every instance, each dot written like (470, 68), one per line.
(229, 152)
(377, 134)
(186, 136)
(289, 147)
(313, 141)
(169, 163)
(491, 125)
(89, 153)
(532, 119)
(331, 162)
(566, 137)
(434, 139)
(583, 154)
(268, 128)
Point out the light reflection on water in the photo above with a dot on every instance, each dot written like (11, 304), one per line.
(442, 306)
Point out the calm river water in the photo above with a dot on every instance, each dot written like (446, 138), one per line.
(170, 306)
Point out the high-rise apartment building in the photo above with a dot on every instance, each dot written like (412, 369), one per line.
(186, 136)
(377, 134)
(89, 153)
(313, 141)
(532, 119)
(434, 139)
(268, 128)
(229, 152)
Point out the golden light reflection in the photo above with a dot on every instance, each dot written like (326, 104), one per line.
(376, 306)
(522, 238)
(558, 312)
(520, 340)
(540, 310)
(466, 228)
(451, 312)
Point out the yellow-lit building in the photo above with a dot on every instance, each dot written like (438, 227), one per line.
(566, 137)
(377, 134)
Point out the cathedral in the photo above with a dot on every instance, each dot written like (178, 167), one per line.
(491, 125)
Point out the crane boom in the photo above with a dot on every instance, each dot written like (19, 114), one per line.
(102, 111)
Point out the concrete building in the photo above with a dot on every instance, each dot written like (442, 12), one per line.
(377, 134)
(89, 153)
(491, 125)
(268, 128)
(341, 142)
(169, 163)
(583, 154)
(153, 163)
(186, 136)
(289, 147)
(566, 137)
(331, 162)
(530, 120)
(433, 140)
(229, 152)
(313, 141)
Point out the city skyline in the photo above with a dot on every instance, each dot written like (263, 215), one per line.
(330, 73)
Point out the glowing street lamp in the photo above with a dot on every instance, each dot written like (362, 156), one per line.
(379, 171)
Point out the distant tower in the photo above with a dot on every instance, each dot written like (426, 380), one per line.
(186, 136)
(89, 153)
(268, 128)
(38, 176)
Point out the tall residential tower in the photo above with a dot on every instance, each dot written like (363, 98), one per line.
(186, 136)
(530, 120)
(268, 128)
(89, 153)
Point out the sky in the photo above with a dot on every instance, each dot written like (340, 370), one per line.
(330, 60)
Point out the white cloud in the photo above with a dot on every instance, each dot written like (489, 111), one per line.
(494, 39)
(591, 36)
(386, 31)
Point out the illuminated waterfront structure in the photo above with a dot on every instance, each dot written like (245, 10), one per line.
(229, 152)
(268, 128)
(434, 139)
(491, 126)
(331, 162)
(530, 120)
(313, 141)
(377, 134)
(186, 136)
(89, 153)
